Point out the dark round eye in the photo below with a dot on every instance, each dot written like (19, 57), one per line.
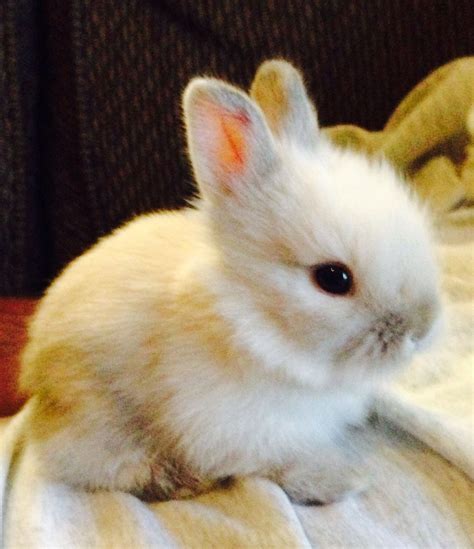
(333, 278)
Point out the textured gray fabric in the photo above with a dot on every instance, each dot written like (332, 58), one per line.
(21, 234)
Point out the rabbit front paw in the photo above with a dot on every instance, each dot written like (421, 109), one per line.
(309, 486)
(171, 479)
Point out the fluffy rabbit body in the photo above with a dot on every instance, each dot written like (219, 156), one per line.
(194, 345)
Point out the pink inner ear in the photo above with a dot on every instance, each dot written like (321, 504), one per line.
(233, 152)
(230, 133)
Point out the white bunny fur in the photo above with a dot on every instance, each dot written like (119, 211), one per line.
(190, 346)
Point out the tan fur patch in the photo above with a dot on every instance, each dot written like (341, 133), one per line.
(202, 322)
(269, 91)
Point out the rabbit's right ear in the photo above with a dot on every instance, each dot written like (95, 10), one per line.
(279, 90)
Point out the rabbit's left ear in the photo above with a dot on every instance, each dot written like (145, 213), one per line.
(230, 145)
(279, 90)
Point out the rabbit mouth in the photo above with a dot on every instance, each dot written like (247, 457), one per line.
(386, 340)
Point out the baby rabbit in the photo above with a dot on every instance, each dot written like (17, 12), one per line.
(240, 336)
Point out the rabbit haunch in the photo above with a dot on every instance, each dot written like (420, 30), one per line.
(191, 346)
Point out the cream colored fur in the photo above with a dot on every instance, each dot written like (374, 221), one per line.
(191, 346)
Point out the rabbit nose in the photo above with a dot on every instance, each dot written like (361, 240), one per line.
(390, 330)
(422, 319)
(393, 325)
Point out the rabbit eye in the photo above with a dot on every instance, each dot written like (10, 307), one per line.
(333, 278)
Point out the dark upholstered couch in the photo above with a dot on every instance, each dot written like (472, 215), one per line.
(90, 130)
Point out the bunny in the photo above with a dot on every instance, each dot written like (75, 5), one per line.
(242, 335)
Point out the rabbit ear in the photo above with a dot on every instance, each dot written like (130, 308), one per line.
(279, 90)
(230, 144)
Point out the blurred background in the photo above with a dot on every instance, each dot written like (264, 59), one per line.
(90, 124)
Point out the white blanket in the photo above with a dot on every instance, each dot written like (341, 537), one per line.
(417, 498)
